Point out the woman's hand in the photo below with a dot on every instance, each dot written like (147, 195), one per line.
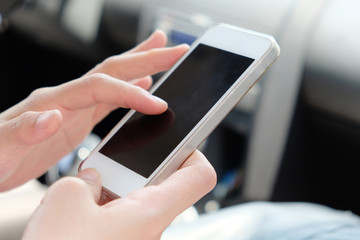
(70, 208)
(52, 121)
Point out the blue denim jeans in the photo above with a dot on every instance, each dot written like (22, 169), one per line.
(265, 221)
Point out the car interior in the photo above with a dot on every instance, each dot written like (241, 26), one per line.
(295, 137)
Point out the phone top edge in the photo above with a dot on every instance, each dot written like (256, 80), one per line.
(272, 47)
(241, 29)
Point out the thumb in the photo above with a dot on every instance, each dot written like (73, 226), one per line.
(67, 204)
(18, 133)
(30, 128)
(74, 191)
(93, 180)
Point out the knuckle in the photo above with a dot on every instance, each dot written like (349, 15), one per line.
(38, 92)
(20, 122)
(19, 127)
(22, 118)
(95, 79)
(109, 61)
(38, 95)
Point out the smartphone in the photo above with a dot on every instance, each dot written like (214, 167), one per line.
(200, 89)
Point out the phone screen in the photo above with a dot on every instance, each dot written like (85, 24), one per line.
(145, 141)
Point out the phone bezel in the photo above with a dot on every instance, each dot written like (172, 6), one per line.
(262, 48)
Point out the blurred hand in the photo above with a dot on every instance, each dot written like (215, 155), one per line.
(70, 210)
(52, 121)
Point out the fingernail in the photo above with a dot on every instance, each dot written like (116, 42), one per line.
(185, 45)
(90, 175)
(159, 100)
(153, 97)
(43, 120)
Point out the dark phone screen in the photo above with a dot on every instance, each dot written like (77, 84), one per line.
(145, 141)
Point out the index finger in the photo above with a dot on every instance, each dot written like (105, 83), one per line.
(140, 64)
(102, 89)
(157, 39)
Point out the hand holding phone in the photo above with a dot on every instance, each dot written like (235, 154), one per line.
(200, 89)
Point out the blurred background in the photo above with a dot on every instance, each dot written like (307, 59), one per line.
(295, 136)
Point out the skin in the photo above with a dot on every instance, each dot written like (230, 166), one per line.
(52, 121)
(143, 214)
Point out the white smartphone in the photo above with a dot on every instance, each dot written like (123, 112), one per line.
(200, 89)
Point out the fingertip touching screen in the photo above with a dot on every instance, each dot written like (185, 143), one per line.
(145, 141)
